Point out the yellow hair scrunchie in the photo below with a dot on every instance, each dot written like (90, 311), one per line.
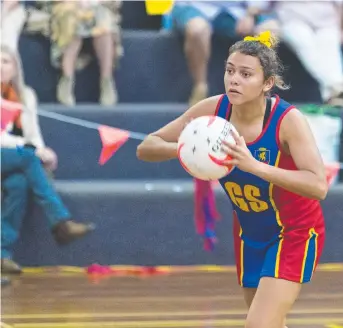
(264, 38)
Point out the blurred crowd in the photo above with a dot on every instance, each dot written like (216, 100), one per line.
(311, 29)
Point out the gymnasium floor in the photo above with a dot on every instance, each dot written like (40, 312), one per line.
(185, 299)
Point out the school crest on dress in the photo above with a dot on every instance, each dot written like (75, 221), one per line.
(262, 155)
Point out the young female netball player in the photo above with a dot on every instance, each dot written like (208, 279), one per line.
(276, 186)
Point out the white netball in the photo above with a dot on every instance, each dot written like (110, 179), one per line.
(199, 147)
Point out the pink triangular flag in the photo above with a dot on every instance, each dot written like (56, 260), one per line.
(112, 139)
(9, 112)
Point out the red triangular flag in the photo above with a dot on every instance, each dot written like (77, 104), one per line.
(112, 139)
(9, 112)
(331, 172)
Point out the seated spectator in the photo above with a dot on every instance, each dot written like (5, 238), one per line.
(199, 19)
(13, 17)
(71, 23)
(24, 158)
(312, 29)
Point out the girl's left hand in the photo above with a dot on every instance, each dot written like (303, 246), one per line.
(239, 153)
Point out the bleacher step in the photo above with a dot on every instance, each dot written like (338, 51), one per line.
(146, 226)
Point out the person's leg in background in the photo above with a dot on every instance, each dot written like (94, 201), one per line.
(65, 88)
(66, 45)
(104, 49)
(106, 37)
(14, 204)
(197, 46)
(62, 226)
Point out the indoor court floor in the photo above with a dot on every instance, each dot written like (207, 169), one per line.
(189, 299)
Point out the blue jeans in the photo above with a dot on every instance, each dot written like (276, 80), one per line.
(22, 172)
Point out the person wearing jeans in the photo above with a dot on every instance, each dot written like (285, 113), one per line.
(22, 171)
(25, 161)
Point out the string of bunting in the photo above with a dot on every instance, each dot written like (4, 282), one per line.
(112, 138)
(205, 211)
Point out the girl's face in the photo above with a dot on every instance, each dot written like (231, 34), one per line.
(244, 79)
(8, 67)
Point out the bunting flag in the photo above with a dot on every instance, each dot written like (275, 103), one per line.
(332, 170)
(155, 7)
(9, 112)
(112, 139)
(206, 213)
(99, 271)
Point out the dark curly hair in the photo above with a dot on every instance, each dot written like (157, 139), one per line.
(269, 59)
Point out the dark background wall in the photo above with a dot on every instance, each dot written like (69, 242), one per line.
(143, 212)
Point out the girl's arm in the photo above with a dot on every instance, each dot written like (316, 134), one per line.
(162, 144)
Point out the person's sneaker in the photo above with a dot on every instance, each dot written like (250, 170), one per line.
(10, 267)
(108, 92)
(65, 91)
(68, 231)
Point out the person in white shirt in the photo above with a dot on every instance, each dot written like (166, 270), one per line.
(24, 161)
(312, 29)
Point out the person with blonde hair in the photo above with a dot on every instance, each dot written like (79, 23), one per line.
(24, 162)
(12, 20)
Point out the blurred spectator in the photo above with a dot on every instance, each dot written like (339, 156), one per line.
(13, 17)
(67, 23)
(199, 19)
(70, 23)
(25, 129)
(22, 155)
(312, 29)
(17, 15)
